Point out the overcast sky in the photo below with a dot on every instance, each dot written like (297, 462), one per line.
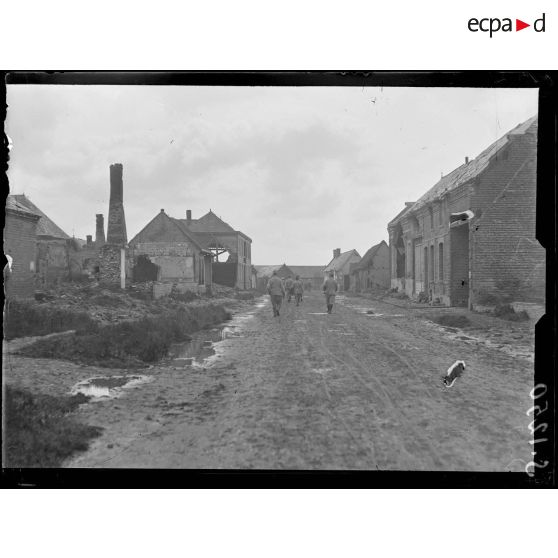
(301, 171)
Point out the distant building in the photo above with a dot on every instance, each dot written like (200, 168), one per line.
(471, 237)
(312, 276)
(373, 270)
(340, 265)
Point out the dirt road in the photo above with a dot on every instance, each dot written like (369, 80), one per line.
(309, 390)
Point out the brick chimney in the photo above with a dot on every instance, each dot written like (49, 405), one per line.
(337, 252)
(89, 239)
(116, 231)
(188, 215)
(466, 160)
(100, 230)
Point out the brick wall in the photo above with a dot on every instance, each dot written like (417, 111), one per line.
(459, 270)
(20, 244)
(506, 258)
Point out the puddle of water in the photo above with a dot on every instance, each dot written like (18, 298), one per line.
(203, 348)
(317, 313)
(108, 386)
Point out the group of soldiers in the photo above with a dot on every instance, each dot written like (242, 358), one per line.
(279, 289)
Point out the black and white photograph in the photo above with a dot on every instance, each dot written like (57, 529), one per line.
(271, 278)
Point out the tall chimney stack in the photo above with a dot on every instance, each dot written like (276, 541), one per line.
(466, 160)
(89, 240)
(116, 231)
(337, 252)
(100, 230)
(188, 215)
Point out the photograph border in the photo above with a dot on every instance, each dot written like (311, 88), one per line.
(545, 330)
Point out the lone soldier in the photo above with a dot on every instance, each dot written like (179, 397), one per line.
(330, 288)
(289, 287)
(276, 292)
(298, 289)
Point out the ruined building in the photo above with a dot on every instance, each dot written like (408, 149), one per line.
(470, 239)
(166, 253)
(220, 238)
(372, 271)
(185, 253)
(57, 255)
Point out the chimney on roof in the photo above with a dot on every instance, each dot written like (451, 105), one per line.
(466, 160)
(188, 215)
(89, 240)
(337, 252)
(116, 231)
(100, 230)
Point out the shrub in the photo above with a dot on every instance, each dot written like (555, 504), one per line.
(187, 296)
(130, 344)
(38, 431)
(23, 319)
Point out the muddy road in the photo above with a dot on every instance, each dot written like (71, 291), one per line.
(307, 390)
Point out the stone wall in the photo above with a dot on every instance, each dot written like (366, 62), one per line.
(109, 264)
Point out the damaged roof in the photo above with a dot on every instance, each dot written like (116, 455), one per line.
(339, 262)
(45, 226)
(368, 258)
(469, 171)
(14, 205)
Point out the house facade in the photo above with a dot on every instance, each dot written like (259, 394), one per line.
(372, 271)
(20, 247)
(220, 238)
(340, 266)
(166, 253)
(472, 235)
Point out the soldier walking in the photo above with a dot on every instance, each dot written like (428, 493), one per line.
(330, 288)
(289, 288)
(276, 292)
(298, 289)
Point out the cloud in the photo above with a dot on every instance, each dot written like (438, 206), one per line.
(300, 170)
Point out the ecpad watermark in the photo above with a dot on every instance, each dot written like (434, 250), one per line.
(492, 25)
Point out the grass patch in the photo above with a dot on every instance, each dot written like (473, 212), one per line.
(452, 320)
(38, 431)
(22, 319)
(130, 344)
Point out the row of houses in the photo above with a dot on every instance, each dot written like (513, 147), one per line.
(351, 272)
(168, 253)
(470, 239)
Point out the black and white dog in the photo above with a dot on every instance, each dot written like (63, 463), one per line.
(454, 371)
